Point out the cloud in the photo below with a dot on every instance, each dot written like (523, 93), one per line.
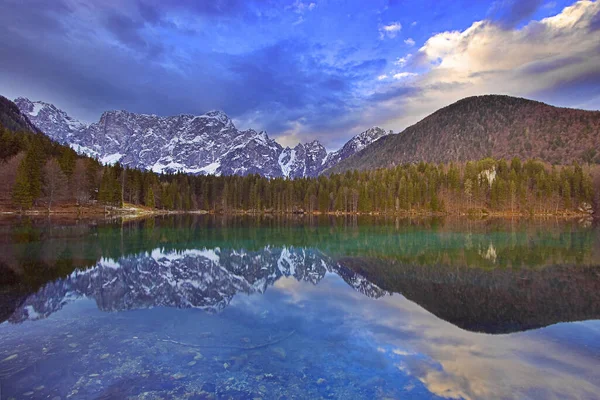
(545, 60)
(401, 61)
(509, 13)
(404, 75)
(409, 42)
(390, 30)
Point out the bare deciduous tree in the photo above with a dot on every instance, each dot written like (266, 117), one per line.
(55, 182)
(81, 189)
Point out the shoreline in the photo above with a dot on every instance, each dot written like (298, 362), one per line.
(135, 212)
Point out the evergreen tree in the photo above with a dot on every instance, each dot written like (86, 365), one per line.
(21, 193)
(149, 200)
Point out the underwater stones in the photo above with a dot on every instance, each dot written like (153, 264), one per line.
(178, 376)
(104, 356)
(321, 381)
(266, 377)
(93, 375)
(191, 363)
(12, 357)
(198, 356)
(280, 352)
(28, 394)
(73, 345)
(245, 340)
(226, 365)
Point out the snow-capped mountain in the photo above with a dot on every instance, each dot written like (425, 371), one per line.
(207, 279)
(50, 120)
(202, 144)
(354, 145)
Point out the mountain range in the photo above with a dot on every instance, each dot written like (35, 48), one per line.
(196, 144)
(472, 128)
(488, 126)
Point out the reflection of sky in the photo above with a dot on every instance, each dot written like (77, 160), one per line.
(390, 342)
(454, 363)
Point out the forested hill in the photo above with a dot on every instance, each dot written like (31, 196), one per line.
(488, 126)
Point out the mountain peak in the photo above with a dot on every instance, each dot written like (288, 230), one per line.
(374, 133)
(49, 119)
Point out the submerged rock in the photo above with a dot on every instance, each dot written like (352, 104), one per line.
(280, 352)
(10, 357)
(178, 376)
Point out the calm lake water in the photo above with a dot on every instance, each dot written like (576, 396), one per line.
(244, 308)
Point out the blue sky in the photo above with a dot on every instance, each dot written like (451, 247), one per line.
(302, 70)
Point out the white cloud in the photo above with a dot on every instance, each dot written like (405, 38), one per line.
(301, 7)
(409, 42)
(486, 58)
(403, 75)
(382, 77)
(401, 61)
(390, 31)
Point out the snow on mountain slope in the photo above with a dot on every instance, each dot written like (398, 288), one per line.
(50, 120)
(203, 144)
(354, 145)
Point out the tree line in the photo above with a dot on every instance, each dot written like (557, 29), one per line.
(48, 174)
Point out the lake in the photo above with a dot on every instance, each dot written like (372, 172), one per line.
(207, 307)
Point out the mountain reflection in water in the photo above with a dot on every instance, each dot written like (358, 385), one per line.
(492, 301)
(208, 307)
(195, 278)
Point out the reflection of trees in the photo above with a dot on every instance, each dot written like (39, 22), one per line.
(41, 247)
(493, 301)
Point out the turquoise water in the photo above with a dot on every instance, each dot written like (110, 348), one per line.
(244, 308)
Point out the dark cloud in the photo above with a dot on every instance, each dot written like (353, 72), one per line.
(595, 23)
(396, 92)
(573, 91)
(125, 29)
(544, 66)
(509, 13)
(36, 17)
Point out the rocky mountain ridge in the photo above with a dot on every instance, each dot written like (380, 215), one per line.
(196, 144)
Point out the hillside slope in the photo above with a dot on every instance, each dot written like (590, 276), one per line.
(12, 118)
(491, 125)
